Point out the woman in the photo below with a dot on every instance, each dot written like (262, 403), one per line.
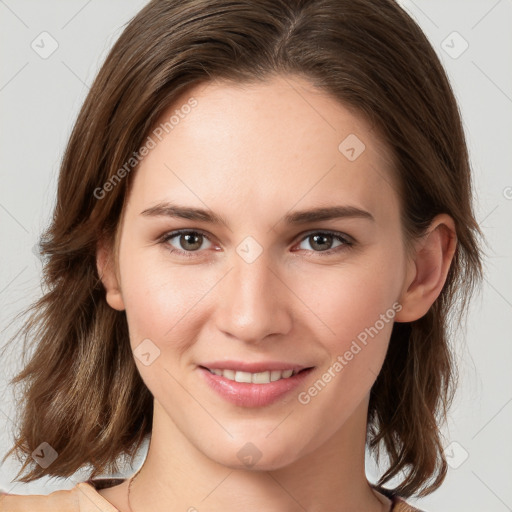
(263, 221)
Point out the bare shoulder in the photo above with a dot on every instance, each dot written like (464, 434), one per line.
(57, 501)
(84, 497)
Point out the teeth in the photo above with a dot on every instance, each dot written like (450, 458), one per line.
(229, 374)
(260, 378)
(254, 378)
(243, 377)
(275, 375)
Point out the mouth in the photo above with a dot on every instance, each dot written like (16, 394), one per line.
(253, 384)
(262, 377)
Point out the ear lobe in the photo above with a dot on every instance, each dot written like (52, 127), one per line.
(108, 276)
(429, 269)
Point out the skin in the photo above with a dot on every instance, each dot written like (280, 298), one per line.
(252, 154)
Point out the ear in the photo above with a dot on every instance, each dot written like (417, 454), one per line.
(428, 269)
(109, 278)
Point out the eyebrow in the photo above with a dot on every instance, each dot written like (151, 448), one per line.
(167, 209)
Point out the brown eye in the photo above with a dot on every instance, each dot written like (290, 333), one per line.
(320, 241)
(185, 242)
(190, 242)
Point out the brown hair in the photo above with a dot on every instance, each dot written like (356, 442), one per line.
(83, 394)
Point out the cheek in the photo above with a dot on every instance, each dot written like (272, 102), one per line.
(354, 308)
(346, 301)
(162, 304)
(357, 311)
(157, 297)
(165, 302)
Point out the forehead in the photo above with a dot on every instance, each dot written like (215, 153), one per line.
(264, 145)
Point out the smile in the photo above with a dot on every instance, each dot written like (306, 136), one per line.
(264, 377)
(258, 388)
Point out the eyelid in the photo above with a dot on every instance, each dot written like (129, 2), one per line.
(336, 234)
(347, 240)
(175, 233)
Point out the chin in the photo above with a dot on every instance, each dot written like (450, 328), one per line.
(256, 456)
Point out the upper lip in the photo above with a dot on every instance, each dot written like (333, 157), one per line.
(258, 367)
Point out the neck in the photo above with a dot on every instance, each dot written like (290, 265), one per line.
(330, 477)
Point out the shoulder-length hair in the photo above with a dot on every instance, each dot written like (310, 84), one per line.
(82, 392)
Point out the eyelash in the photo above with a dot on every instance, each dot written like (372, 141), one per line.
(345, 241)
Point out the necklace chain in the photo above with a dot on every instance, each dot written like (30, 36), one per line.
(135, 476)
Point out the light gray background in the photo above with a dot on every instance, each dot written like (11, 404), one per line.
(40, 98)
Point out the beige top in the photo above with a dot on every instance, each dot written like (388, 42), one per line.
(81, 498)
(85, 498)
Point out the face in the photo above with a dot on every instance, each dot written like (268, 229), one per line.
(253, 284)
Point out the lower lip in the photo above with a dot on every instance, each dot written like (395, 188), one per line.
(253, 395)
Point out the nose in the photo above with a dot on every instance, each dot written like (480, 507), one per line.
(254, 301)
